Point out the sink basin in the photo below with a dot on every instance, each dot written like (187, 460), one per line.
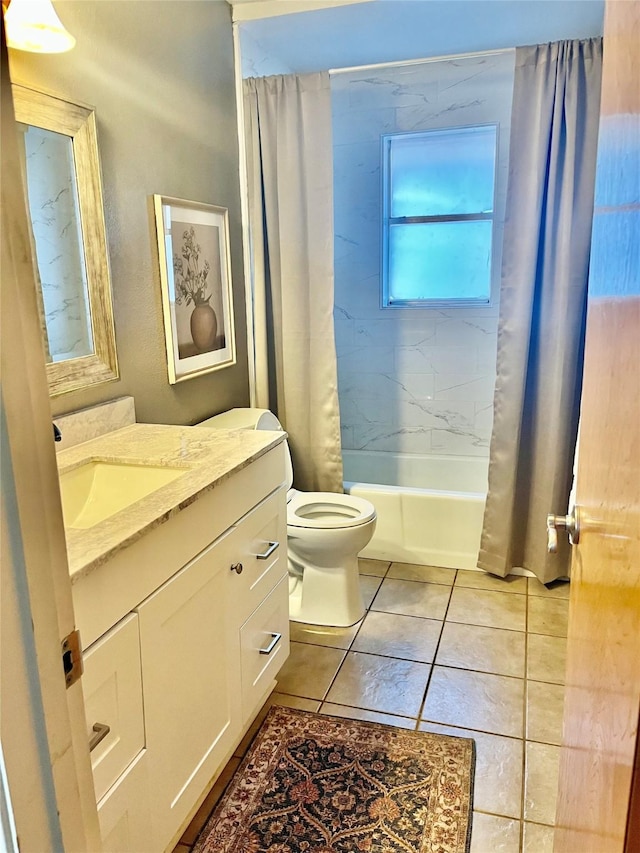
(97, 489)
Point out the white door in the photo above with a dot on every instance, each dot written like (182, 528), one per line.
(42, 725)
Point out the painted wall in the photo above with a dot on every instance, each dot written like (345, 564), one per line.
(410, 380)
(160, 76)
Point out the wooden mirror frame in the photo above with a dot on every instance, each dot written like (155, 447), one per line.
(79, 123)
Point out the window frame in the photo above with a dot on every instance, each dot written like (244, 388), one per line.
(387, 221)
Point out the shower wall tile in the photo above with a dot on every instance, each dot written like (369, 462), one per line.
(431, 413)
(410, 381)
(369, 359)
(396, 330)
(398, 87)
(360, 412)
(386, 387)
(434, 359)
(393, 439)
(461, 443)
(462, 386)
(486, 355)
(451, 331)
(483, 419)
(364, 125)
(343, 325)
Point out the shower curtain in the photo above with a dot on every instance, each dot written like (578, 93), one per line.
(290, 183)
(547, 237)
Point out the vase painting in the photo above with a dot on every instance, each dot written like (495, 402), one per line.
(204, 327)
(198, 292)
(196, 286)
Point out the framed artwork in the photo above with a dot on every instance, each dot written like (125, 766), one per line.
(195, 279)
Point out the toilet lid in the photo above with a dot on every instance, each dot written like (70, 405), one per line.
(326, 510)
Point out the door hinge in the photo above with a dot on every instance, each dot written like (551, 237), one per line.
(72, 658)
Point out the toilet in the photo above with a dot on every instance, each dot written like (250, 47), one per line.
(325, 534)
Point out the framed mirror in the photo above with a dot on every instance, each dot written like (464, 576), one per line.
(61, 174)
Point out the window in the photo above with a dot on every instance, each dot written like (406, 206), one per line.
(438, 190)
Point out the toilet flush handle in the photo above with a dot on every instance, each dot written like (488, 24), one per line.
(570, 523)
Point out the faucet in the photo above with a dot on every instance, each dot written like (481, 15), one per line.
(57, 435)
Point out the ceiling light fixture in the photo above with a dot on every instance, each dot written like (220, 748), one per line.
(33, 25)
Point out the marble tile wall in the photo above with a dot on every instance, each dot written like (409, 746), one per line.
(410, 380)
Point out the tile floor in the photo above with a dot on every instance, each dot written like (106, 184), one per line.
(457, 652)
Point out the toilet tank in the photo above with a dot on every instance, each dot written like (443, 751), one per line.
(250, 419)
(243, 419)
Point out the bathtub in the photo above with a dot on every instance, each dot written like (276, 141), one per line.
(430, 508)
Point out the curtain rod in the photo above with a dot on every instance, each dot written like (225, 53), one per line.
(401, 62)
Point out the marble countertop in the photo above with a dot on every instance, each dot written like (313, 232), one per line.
(208, 456)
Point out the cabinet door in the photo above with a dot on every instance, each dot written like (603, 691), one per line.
(112, 688)
(124, 813)
(190, 652)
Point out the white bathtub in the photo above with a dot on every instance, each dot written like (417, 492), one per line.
(430, 508)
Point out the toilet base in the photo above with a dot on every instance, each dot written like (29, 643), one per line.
(327, 596)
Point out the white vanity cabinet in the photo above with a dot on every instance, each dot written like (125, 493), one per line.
(191, 686)
(182, 670)
(191, 636)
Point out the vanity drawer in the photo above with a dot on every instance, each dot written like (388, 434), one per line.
(112, 688)
(264, 645)
(256, 550)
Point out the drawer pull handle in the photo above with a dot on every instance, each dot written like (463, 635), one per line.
(100, 731)
(271, 547)
(275, 639)
(237, 568)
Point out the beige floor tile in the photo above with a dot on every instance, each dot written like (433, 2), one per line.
(541, 782)
(491, 609)
(294, 702)
(211, 800)
(483, 580)
(409, 598)
(319, 635)
(370, 716)
(537, 838)
(414, 572)
(545, 703)
(483, 649)
(377, 568)
(369, 586)
(491, 834)
(391, 634)
(556, 589)
(475, 700)
(380, 684)
(548, 616)
(546, 658)
(309, 670)
(498, 778)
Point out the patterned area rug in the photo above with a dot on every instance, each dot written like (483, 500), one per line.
(317, 784)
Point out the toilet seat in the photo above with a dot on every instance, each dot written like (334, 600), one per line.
(327, 510)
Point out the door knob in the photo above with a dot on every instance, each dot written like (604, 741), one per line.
(570, 523)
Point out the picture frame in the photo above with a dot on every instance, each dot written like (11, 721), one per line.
(195, 281)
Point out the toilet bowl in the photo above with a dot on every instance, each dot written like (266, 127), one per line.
(325, 533)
